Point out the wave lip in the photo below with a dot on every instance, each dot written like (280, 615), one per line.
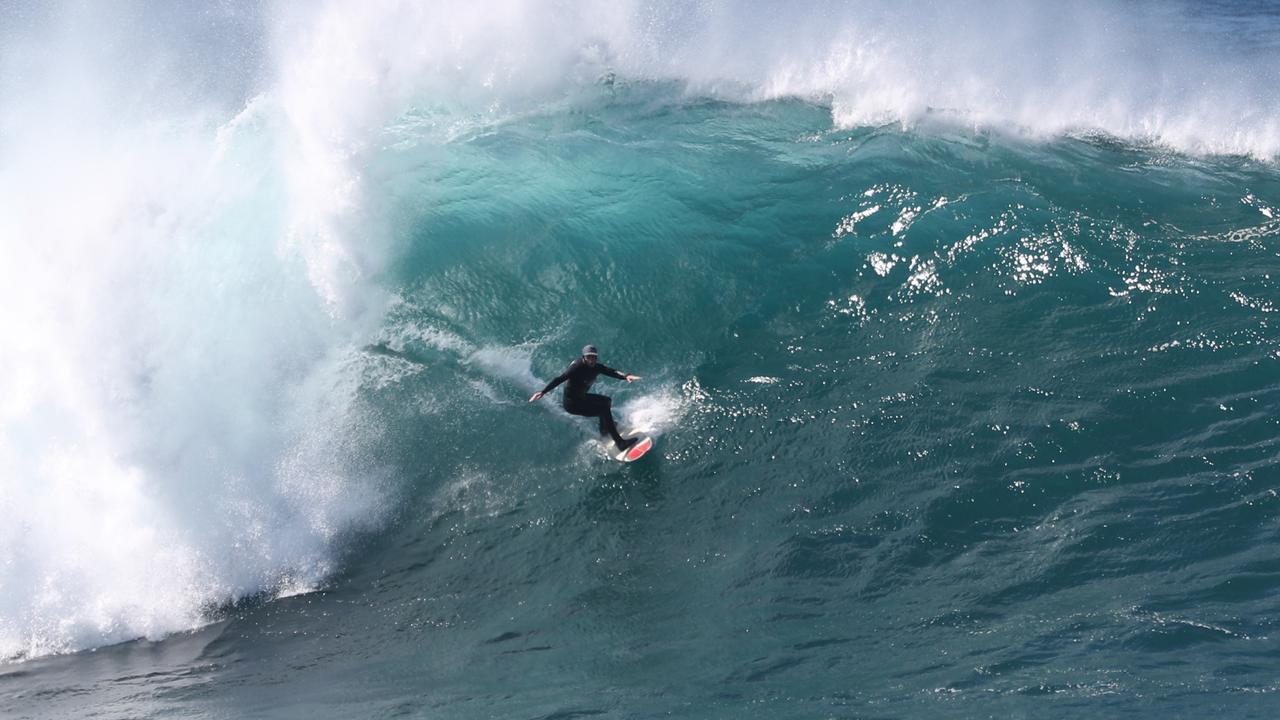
(1170, 74)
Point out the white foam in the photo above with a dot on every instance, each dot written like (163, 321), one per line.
(176, 329)
(513, 364)
(1144, 71)
(654, 412)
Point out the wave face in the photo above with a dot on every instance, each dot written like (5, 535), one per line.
(956, 328)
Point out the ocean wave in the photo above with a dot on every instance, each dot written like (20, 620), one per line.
(1173, 75)
(193, 267)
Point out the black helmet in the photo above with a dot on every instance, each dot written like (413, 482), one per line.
(590, 350)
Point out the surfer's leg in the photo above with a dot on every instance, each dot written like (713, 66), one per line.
(602, 407)
(610, 428)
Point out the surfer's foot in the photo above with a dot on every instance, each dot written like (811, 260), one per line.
(624, 445)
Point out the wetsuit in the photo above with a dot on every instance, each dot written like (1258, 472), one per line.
(578, 401)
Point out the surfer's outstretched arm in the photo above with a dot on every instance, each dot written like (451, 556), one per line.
(554, 383)
(606, 370)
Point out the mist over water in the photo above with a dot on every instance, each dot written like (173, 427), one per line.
(176, 410)
(956, 323)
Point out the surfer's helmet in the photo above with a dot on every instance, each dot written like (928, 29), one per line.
(590, 351)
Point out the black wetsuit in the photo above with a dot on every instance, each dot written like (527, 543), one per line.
(580, 402)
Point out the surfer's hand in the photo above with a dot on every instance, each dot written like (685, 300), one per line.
(632, 378)
(536, 396)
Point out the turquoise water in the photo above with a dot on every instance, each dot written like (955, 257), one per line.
(954, 417)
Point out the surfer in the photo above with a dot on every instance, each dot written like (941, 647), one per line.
(577, 401)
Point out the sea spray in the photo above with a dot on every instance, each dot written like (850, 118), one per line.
(178, 392)
(1142, 71)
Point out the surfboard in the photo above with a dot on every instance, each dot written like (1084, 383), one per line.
(637, 451)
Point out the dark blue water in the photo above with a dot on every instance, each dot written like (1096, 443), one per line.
(953, 418)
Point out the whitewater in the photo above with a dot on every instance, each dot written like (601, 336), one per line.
(957, 324)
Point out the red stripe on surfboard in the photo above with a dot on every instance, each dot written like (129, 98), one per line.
(640, 449)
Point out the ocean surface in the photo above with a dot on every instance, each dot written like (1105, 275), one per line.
(958, 323)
